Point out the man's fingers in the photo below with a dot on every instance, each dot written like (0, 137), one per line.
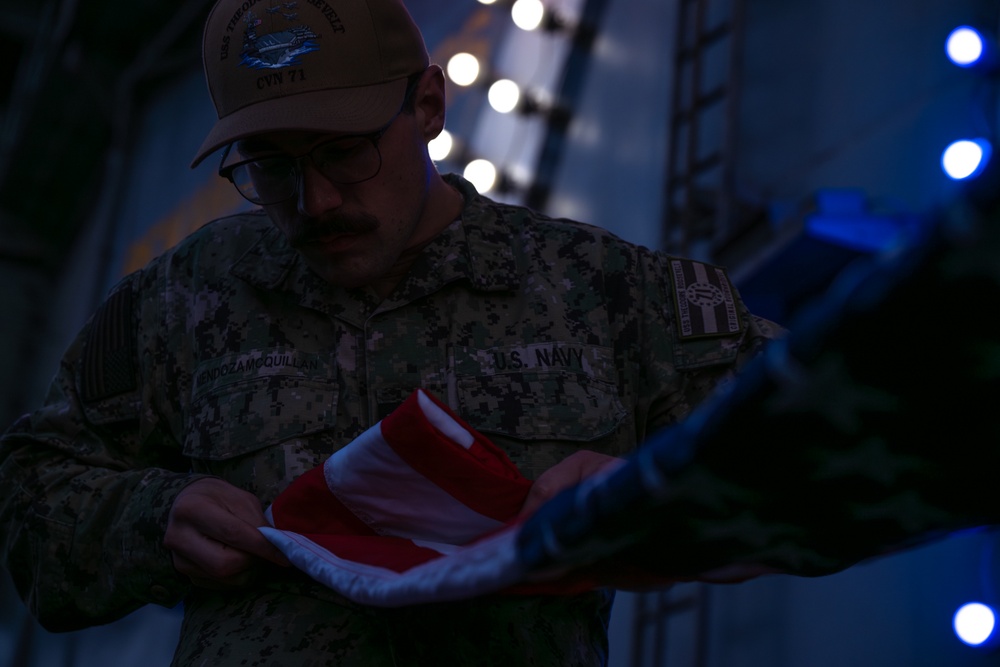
(255, 543)
(216, 577)
(568, 472)
(212, 534)
(536, 497)
(239, 531)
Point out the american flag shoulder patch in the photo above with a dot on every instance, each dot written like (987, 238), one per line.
(704, 300)
(110, 354)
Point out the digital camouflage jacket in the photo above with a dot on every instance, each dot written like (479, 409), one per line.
(227, 357)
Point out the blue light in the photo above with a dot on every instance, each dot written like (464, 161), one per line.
(974, 623)
(966, 158)
(965, 46)
(842, 218)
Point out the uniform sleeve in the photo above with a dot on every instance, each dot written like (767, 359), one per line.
(87, 482)
(698, 383)
(698, 335)
(845, 441)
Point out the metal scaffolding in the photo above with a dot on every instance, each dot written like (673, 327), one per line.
(670, 627)
(700, 216)
(700, 198)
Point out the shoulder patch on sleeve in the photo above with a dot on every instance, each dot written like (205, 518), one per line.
(704, 300)
(109, 357)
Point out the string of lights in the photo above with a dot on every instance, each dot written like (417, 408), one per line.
(509, 96)
(972, 49)
(967, 47)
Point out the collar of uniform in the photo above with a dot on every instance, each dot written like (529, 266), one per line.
(268, 263)
(476, 248)
(489, 258)
(273, 265)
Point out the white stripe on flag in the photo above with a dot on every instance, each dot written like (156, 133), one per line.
(485, 567)
(443, 422)
(379, 487)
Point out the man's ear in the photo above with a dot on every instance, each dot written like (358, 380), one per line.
(429, 102)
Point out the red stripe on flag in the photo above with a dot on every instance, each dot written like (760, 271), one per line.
(308, 507)
(482, 477)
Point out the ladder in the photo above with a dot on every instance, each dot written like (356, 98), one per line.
(700, 199)
(670, 627)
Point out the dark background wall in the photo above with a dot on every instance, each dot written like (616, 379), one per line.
(103, 104)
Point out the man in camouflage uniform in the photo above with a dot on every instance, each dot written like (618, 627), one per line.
(209, 380)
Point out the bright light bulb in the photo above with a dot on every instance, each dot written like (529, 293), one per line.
(966, 158)
(482, 174)
(974, 623)
(440, 146)
(463, 68)
(965, 46)
(503, 95)
(527, 14)
(486, 2)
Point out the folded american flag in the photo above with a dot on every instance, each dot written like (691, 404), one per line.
(419, 508)
(859, 476)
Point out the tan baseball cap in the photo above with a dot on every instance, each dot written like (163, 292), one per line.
(312, 65)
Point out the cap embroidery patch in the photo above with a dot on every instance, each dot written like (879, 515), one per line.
(278, 48)
(321, 66)
(704, 300)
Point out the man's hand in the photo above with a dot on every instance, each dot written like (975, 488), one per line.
(212, 535)
(568, 472)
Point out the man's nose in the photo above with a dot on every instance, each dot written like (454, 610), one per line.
(317, 194)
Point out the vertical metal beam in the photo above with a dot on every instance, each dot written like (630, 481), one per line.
(700, 190)
(52, 28)
(568, 96)
(654, 615)
(687, 221)
(725, 221)
(116, 159)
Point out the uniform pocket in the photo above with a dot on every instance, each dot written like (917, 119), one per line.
(260, 435)
(551, 405)
(540, 391)
(244, 417)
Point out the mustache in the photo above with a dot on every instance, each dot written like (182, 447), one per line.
(313, 229)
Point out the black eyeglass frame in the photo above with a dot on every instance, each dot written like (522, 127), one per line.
(226, 171)
(296, 170)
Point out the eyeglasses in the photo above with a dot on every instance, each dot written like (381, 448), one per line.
(272, 179)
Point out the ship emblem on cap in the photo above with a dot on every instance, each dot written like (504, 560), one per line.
(279, 48)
